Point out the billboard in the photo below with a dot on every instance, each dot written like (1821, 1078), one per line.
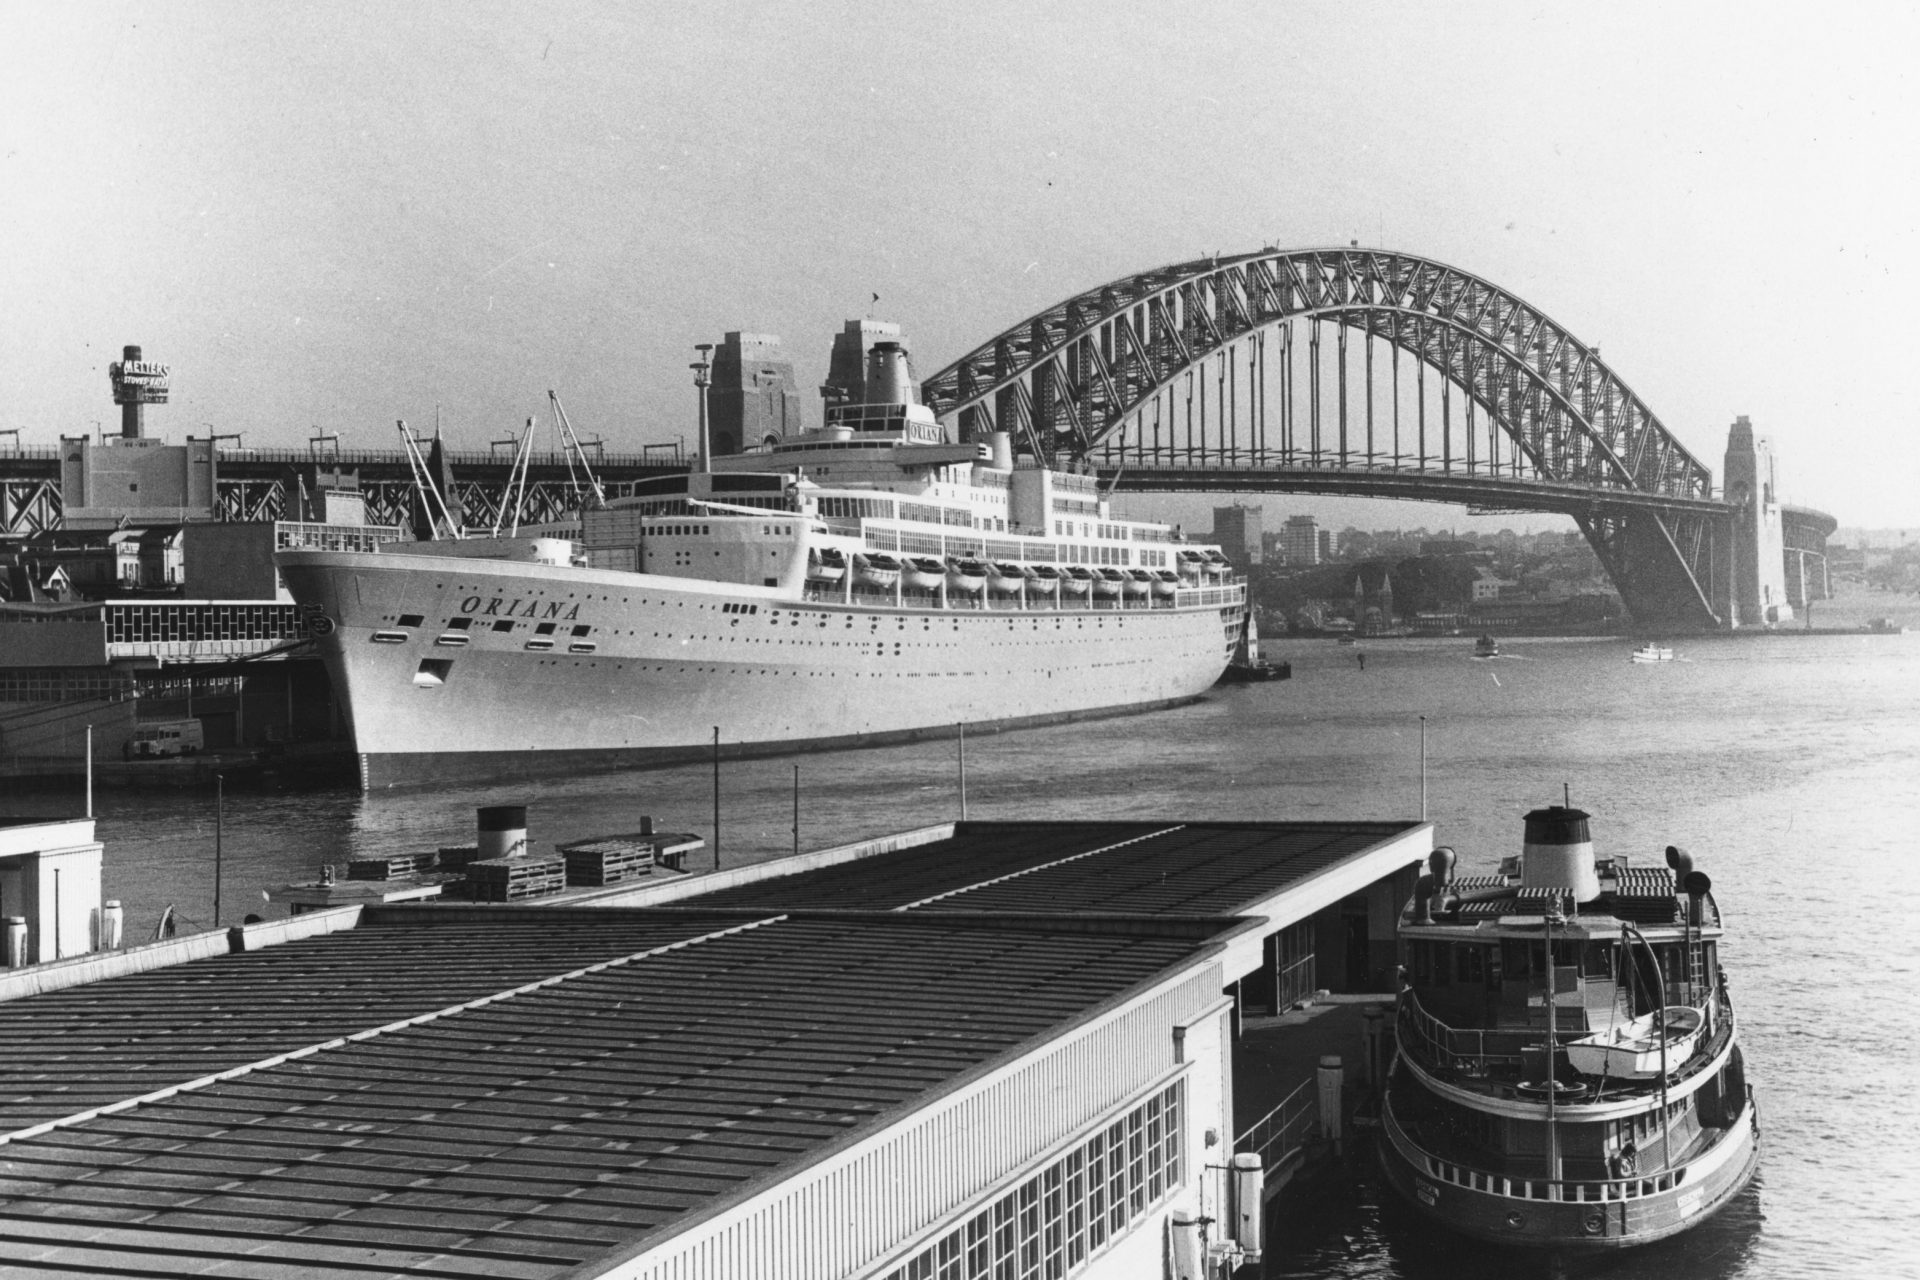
(139, 381)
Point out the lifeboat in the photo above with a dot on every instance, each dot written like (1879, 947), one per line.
(876, 569)
(1633, 1050)
(1108, 582)
(1165, 582)
(1006, 579)
(1042, 581)
(965, 575)
(923, 573)
(1139, 582)
(826, 564)
(1193, 565)
(1217, 565)
(1076, 579)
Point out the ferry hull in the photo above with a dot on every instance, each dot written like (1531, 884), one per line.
(1611, 1219)
(464, 670)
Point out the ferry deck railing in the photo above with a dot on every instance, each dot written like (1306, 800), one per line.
(1562, 1190)
(1277, 1135)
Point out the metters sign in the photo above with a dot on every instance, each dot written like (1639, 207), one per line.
(139, 381)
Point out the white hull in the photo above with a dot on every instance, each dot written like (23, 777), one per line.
(666, 659)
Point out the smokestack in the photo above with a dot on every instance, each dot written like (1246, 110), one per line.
(132, 410)
(1558, 853)
(887, 379)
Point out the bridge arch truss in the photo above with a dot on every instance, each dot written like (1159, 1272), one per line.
(1354, 371)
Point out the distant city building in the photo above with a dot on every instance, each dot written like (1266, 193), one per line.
(1324, 544)
(1300, 540)
(1488, 587)
(1237, 530)
(754, 398)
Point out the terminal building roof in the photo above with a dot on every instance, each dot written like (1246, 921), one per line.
(485, 1091)
(1122, 868)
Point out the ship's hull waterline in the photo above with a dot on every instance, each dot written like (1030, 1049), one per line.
(512, 669)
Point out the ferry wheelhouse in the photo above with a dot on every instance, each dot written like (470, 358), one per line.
(1568, 1073)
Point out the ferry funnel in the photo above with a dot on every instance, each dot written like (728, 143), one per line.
(888, 381)
(1558, 853)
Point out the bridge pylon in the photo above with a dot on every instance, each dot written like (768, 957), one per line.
(1759, 595)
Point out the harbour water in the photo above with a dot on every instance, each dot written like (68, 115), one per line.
(1789, 765)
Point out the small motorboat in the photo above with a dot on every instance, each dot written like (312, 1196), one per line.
(1631, 1050)
(1486, 647)
(1076, 579)
(1651, 652)
(965, 575)
(923, 573)
(875, 569)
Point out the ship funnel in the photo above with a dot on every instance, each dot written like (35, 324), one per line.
(1558, 853)
(888, 381)
(503, 831)
(1002, 444)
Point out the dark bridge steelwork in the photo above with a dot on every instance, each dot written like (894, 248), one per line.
(1356, 372)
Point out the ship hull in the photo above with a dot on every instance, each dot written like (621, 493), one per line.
(467, 670)
(1610, 1215)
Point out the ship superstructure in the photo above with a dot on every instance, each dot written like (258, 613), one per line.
(1568, 1073)
(865, 581)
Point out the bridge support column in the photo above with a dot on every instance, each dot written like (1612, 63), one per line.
(1760, 596)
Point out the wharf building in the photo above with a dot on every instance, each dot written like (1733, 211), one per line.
(146, 609)
(990, 1049)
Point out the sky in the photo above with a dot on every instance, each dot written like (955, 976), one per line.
(338, 215)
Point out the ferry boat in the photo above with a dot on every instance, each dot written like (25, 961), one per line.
(1651, 652)
(867, 581)
(1567, 1072)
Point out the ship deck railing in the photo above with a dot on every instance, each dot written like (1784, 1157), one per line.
(1511, 1187)
(1278, 1135)
(1486, 1053)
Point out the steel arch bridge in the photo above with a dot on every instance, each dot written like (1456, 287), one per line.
(1364, 372)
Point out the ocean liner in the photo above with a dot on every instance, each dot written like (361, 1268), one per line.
(866, 581)
(1567, 1073)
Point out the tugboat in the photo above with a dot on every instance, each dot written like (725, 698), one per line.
(1567, 1074)
(1653, 652)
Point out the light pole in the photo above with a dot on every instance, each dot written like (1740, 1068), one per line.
(702, 378)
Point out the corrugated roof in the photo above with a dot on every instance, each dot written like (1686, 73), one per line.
(1118, 867)
(482, 1126)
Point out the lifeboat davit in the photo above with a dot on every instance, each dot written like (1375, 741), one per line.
(1165, 582)
(876, 569)
(826, 564)
(1076, 579)
(1006, 579)
(1108, 582)
(923, 573)
(1193, 565)
(1042, 581)
(1217, 565)
(1139, 582)
(965, 575)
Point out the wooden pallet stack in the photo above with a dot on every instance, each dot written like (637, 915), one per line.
(455, 857)
(393, 866)
(511, 879)
(607, 860)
